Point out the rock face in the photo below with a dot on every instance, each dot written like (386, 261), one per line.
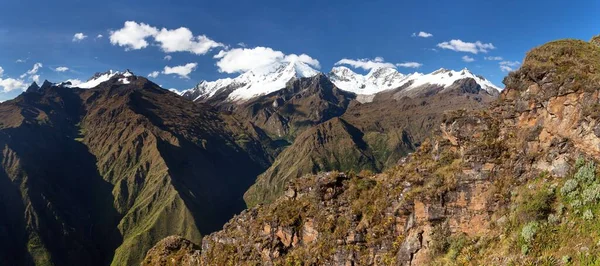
(512, 184)
(98, 176)
(173, 250)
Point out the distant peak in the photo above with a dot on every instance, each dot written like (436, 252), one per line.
(46, 84)
(100, 77)
(33, 87)
(341, 69)
(465, 71)
(101, 74)
(382, 70)
(441, 71)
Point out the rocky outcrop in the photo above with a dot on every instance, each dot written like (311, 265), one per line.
(173, 250)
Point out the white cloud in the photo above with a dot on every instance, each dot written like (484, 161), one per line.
(168, 57)
(100, 36)
(410, 64)
(154, 74)
(240, 60)
(35, 78)
(493, 58)
(133, 35)
(241, 44)
(79, 37)
(422, 34)
(182, 40)
(61, 69)
(36, 67)
(468, 59)
(21, 60)
(507, 66)
(182, 71)
(304, 58)
(468, 47)
(11, 84)
(365, 63)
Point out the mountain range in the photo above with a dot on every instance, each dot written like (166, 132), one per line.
(97, 173)
(513, 183)
(270, 78)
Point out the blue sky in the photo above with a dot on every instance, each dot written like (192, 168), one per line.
(41, 31)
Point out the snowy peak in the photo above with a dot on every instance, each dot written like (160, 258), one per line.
(382, 79)
(259, 81)
(206, 89)
(270, 78)
(377, 80)
(99, 78)
(445, 78)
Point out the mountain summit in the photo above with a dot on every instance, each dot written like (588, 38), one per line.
(256, 82)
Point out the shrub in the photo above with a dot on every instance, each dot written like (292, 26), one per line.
(588, 215)
(591, 194)
(560, 209)
(529, 230)
(535, 205)
(525, 249)
(579, 162)
(586, 173)
(576, 203)
(553, 218)
(568, 187)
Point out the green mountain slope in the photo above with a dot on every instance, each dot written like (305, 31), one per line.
(98, 176)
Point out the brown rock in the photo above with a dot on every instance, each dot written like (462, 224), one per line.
(286, 236)
(309, 233)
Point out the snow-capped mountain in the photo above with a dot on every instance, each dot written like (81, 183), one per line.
(206, 89)
(445, 78)
(259, 81)
(382, 79)
(99, 78)
(377, 80)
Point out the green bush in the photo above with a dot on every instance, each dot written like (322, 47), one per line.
(535, 205)
(588, 215)
(568, 187)
(529, 230)
(591, 194)
(586, 173)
